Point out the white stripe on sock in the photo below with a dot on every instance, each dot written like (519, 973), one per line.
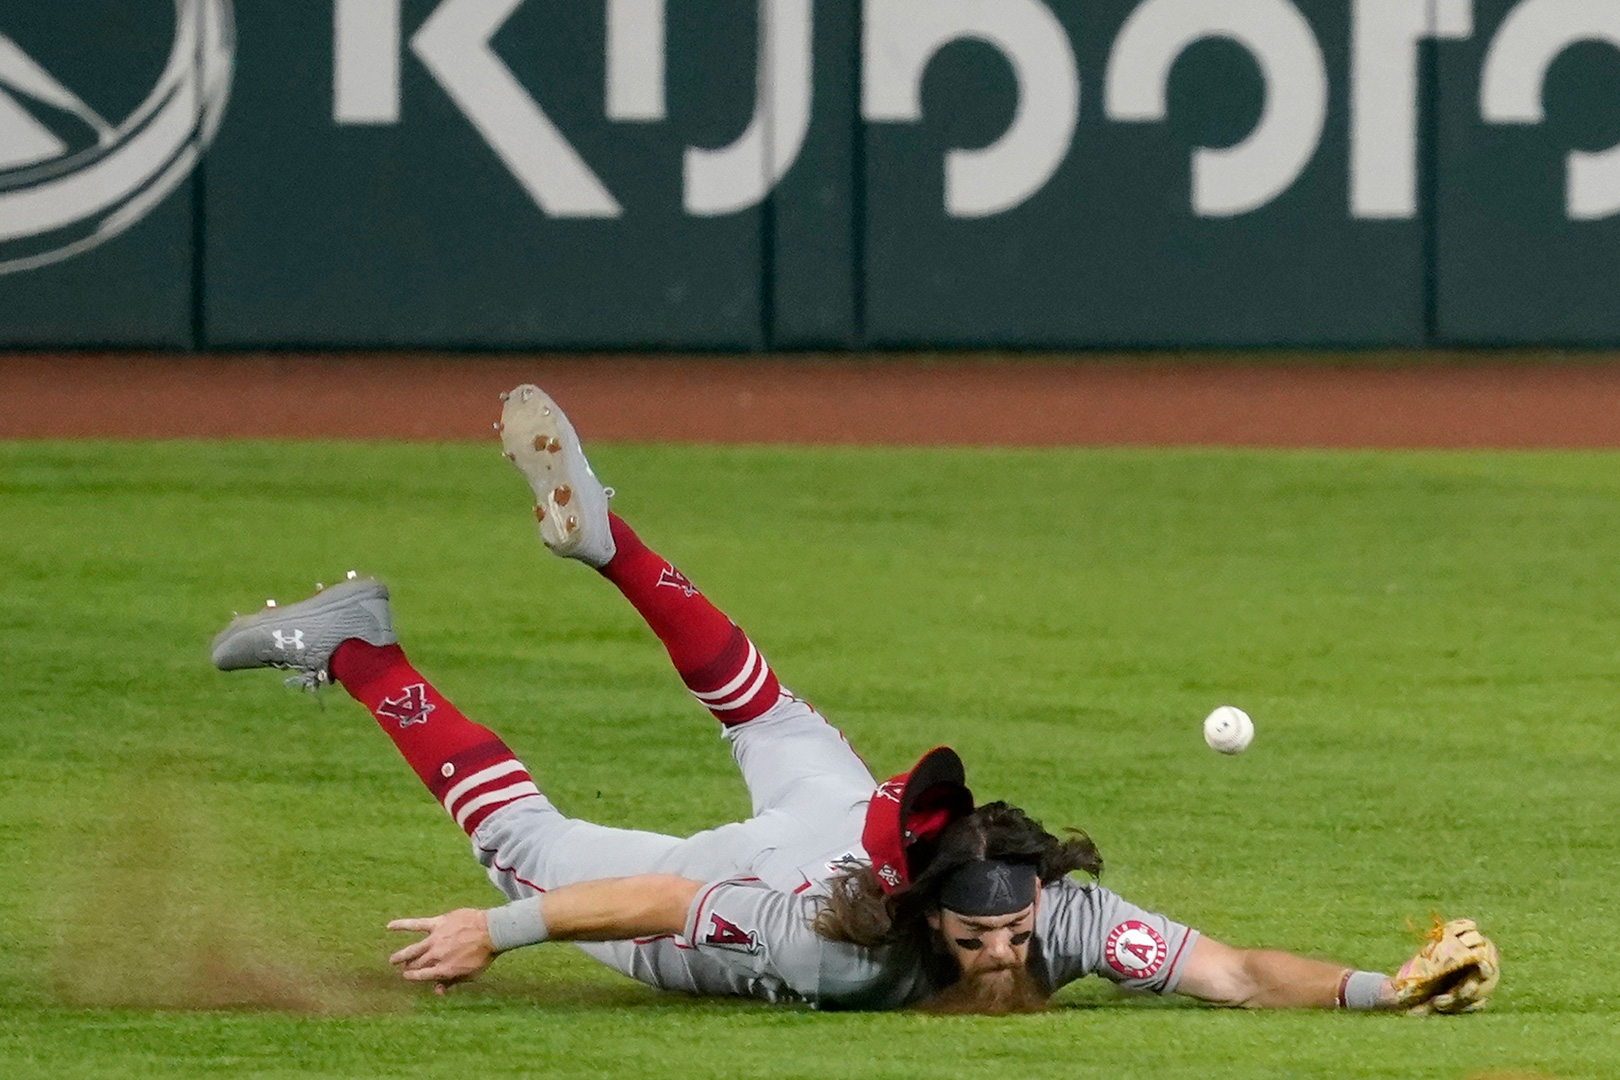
(482, 776)
(505, 794)
(742, 677)
(747, 696)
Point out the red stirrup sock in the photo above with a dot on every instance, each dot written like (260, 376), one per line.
(465, 765)
(713, 656)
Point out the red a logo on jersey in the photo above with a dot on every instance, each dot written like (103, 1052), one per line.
(1135, 950)
(409, 706)
(1139, 949)
(728, 934)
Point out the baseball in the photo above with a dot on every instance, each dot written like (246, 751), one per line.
(1229, 730)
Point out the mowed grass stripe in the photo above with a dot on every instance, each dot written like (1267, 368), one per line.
(1426, 641)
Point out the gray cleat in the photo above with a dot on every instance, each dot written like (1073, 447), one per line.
(301, 637)
(571, 504)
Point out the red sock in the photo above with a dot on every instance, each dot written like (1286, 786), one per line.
(713, 656)
(464, 764)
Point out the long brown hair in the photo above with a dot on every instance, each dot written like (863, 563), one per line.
(857, 911)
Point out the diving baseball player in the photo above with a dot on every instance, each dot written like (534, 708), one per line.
(837, 891)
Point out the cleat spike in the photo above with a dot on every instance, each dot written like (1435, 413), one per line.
(351, 575)
(320, 586)
(573, 522)
(497, 426)
(505, 395)
(539, 442)
(269, 603)
(563, 494)
(508, 457)
(539, 512)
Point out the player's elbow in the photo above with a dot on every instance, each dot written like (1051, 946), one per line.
(666, 899)
(1222, 975)
(1238, 989)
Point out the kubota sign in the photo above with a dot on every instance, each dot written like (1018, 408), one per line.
(901, 37)
(737, 173)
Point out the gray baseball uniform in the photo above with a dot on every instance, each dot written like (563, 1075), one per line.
(748, 931)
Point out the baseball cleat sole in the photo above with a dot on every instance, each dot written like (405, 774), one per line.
(570, 503)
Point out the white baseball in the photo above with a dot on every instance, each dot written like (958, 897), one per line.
(1229, 730)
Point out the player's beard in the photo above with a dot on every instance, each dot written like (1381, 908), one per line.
(1013, 990)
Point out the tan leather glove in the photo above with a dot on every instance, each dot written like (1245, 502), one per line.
(1454, 972)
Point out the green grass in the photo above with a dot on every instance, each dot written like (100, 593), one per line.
(195, 868)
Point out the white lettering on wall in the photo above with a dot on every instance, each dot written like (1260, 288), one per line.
(635, 60)
(1236, 179)
(1384, 98)
(454, 45)
(901, 36)
(738, 176)
(1533, 35)
(365, 61)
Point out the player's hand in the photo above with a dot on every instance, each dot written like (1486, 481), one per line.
(1454, 973)
(456, 948)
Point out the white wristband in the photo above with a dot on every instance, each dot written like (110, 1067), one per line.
(1361, 989)
(516, 924)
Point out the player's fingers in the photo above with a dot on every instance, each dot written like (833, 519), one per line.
(421, 926)
(436, 971)
(426, 973)
(441, 988)
(426, 962)
(410, 952)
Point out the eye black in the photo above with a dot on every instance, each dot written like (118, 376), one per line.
(1020, 938)
(970, 944)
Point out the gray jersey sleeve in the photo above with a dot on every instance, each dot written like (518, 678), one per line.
(763, 935)
(1087, 930)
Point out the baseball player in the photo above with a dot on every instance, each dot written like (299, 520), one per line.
(837, 891)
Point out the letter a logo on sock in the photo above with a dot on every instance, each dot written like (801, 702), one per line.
(411, 706)
(674, 579)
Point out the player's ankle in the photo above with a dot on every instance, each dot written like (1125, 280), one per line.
(356, 662)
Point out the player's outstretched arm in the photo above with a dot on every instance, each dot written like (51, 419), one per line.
(1267, 979)
(461, 943)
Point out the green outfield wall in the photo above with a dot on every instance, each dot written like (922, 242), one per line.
(809, 174)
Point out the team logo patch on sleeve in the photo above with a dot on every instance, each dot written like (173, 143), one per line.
(1135, 950)
(728, 935)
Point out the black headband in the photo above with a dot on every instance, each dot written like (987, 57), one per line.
(989, 887)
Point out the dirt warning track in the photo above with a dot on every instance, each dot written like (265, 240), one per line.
(1381, 400)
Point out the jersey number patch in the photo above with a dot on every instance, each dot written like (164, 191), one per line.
(728, 935)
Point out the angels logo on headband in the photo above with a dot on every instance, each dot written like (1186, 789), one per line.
(71, 179)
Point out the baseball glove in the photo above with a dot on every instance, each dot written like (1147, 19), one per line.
(1454, 972)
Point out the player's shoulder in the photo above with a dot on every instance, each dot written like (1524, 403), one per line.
(1067, 890)
(1067, 905)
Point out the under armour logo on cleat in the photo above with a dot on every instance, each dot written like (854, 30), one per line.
(294, 640)
(411, 706)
